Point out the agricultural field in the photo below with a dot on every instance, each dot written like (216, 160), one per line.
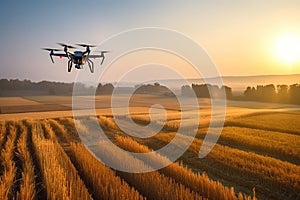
(42, 156)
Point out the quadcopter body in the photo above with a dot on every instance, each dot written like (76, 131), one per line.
(78, 58)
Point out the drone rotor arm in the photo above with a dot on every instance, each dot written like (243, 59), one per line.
(59, 54)
(99, 56)
(95, 56)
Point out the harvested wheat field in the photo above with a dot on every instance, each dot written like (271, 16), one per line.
(256, 157)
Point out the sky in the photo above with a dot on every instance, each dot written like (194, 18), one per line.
(241, 37)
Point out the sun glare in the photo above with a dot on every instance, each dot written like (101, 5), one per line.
(287, 48)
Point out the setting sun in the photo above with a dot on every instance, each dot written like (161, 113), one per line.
(287, 48)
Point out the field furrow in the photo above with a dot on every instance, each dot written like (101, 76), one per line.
(277, 122)
(244, 168)
(8, 166)
(285, 147)
(3, 133)
(100, 180)
(152, 185)
(197, 182)
(59, 175)
(17, 159)
(256, 157)
(40, 190)
(27, 190)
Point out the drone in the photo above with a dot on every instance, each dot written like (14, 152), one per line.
(78, 58)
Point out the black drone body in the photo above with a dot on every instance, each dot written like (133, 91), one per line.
(78, 58)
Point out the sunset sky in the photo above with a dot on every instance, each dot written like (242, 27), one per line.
(241, 37)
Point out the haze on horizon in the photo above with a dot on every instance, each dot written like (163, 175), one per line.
(241, 37)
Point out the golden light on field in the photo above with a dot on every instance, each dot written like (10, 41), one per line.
(287, 48)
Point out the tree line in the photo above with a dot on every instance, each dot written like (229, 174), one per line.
(155, 88)
(271, 93)
(263, 93)
(288, 94)
(207, 91)
(51, 88)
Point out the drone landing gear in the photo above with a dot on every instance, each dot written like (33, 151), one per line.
(91, 65)
(69, 65)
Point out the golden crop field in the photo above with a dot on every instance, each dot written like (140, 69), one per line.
(257, 157)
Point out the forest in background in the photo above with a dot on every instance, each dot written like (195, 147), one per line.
(288, 94)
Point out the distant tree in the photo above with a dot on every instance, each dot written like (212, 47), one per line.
(211, 91)
(108, 88)
(105, 89)
(4, 84)
(268, 93)
(295, 93)
(186, 90)
(228, 91)
(248, 93)
(261, 93)
(283, 95)
(51, 91)
(214, 91)
(201, 90)
(98, 89)
(156, 89)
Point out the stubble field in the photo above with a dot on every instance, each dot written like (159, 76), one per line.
(257, 154)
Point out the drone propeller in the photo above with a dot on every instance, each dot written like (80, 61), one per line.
(51, 52)
(49, 49)
(101, 52)
(86, 45)
(104, 51)
(66, 46)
